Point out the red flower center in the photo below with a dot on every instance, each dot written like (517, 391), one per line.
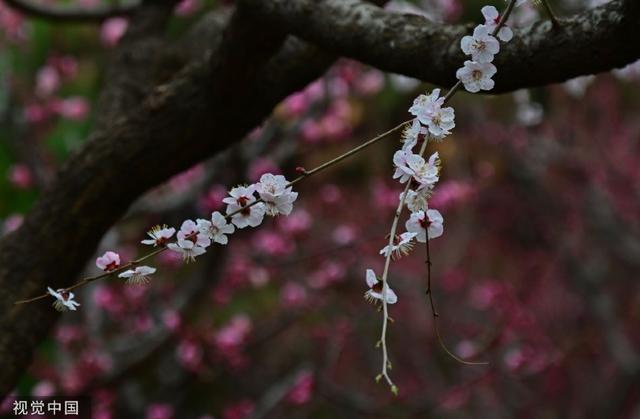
(110, 267)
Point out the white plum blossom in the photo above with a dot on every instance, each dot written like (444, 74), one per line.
(401, 246)
(417, 200)
(277, 196)
(425, 223)
(577, 87)
(430, 113)
(424, 105)
(109, 261)
(441, 122)
(492, 18)
(403, 173)
(241, 203)
(217, 228)
(411, 134)
(189, 231)
(139, 275)
(410, 165)
(188, 249)
(376, 290)
(64, 299)
(482, 46)
(160, 235)
(476, 76)
(424, 172)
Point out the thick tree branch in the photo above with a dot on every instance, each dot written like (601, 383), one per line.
(70, 13)
(201, 111)
(591, 42)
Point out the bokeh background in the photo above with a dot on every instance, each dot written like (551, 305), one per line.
(537, 272)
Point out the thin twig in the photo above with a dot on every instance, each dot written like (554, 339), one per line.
(436, 315)
(429, 292)
(385, 273)
(305, 175)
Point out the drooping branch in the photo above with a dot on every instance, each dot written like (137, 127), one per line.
(57, 13)
(594, 41)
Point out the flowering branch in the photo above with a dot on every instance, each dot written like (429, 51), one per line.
(433, 121)
(386, 364)
(90, 279)
(119, 269)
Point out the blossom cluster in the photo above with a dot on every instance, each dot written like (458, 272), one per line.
(432, 121)
(476, 74)
(247, 206)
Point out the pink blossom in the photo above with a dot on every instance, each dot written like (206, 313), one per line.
(345, 234)
(160, 411)
(293, 295)
(330, 194)
(36, 113)
(112, 30)
(106, 298)
(67, 334)
(212, 200)
(302, 390)
(142, 323)
(66, 65)
(273, 244)
(234, 333)
(328, 274)
(259, 277)
(261, 166)
(297, 223)
(240, 410)
(315, 90)
(187, 7)
(190, 355)
(11, 24)
(44, 389)
(47, 81)
(370, 83)
(385, 197)
(335, 127)
(109, 261)
(450, 194)
(170, 259)
(20, 176)
(12, 223)
(311, 131)
(172, 320)
(296, 104)
(6, 404)
(74, 108)
(455, 398)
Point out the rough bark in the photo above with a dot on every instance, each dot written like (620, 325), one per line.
(216, 100)
(591, 42)
(204, 109)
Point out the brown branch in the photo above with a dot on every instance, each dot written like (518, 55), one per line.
(200, 112)
(76, 14)
(417, 47)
